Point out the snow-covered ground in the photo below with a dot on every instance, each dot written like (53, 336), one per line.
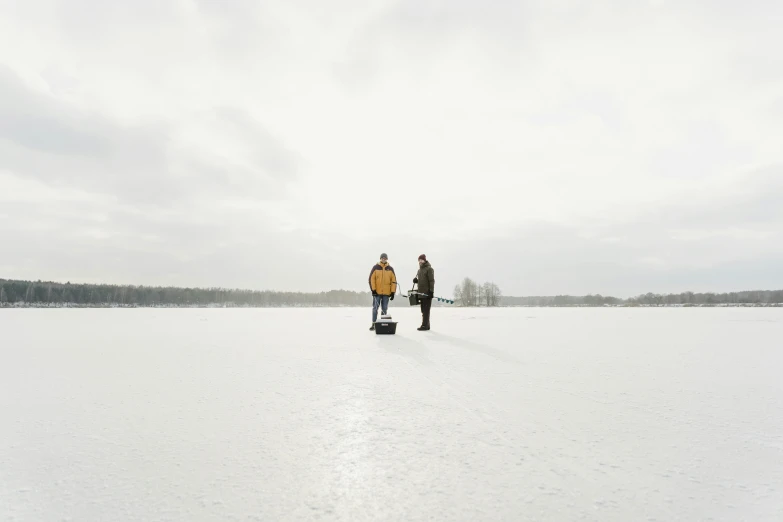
(302, 414)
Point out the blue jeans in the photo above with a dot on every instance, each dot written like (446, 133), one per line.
(383, 302)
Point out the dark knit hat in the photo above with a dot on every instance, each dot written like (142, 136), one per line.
(423, 257)
(384, 256)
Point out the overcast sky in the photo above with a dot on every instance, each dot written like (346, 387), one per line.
(552, 146)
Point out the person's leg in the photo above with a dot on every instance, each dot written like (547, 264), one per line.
(376, 301)
(426, 307)
(384, 304)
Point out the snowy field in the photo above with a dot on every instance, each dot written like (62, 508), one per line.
(302, 414)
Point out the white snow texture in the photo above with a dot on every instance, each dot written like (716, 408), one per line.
(303, 414)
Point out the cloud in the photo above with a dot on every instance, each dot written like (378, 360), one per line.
(50, 141)
(554, 146)
(161, 202)
(163, 163)
(727, 239)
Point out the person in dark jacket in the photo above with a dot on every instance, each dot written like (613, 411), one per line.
(383, 285)
(426, 281)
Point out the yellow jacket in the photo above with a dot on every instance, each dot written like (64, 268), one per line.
(382, 279)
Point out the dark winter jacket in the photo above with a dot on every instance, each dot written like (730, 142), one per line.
(426, 277)
(382, 279)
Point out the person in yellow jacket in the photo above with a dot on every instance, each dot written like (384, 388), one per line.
(383, 285)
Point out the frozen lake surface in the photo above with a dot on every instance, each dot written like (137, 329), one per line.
(302, 414)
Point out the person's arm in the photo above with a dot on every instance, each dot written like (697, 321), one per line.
(432, 281)
(393, 281)
(371, 280)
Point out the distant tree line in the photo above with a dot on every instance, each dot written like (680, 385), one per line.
(691, 298)
(562, 300)
(468, 293)
(471, 293)
(40, 293)
(755, 297)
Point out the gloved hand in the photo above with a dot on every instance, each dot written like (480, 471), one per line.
(391, 297)
(374, 293)
(415, 280)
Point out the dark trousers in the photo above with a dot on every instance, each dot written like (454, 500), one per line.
(426, 304)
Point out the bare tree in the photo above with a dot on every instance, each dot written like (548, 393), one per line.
(458, 295)
(474, 293)
(496, 294)
(492, 294)
(468, 292)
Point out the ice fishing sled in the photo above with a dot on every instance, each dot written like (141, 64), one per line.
(385, 326)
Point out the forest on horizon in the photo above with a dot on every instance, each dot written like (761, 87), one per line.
(16, 293)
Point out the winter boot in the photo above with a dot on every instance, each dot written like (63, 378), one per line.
(372, 328)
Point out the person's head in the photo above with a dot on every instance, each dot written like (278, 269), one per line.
(422, 259)
(384, 258)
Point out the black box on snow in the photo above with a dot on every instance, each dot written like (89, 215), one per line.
(385, 327)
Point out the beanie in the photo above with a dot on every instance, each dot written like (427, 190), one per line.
(384, 256)
(423, 257)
